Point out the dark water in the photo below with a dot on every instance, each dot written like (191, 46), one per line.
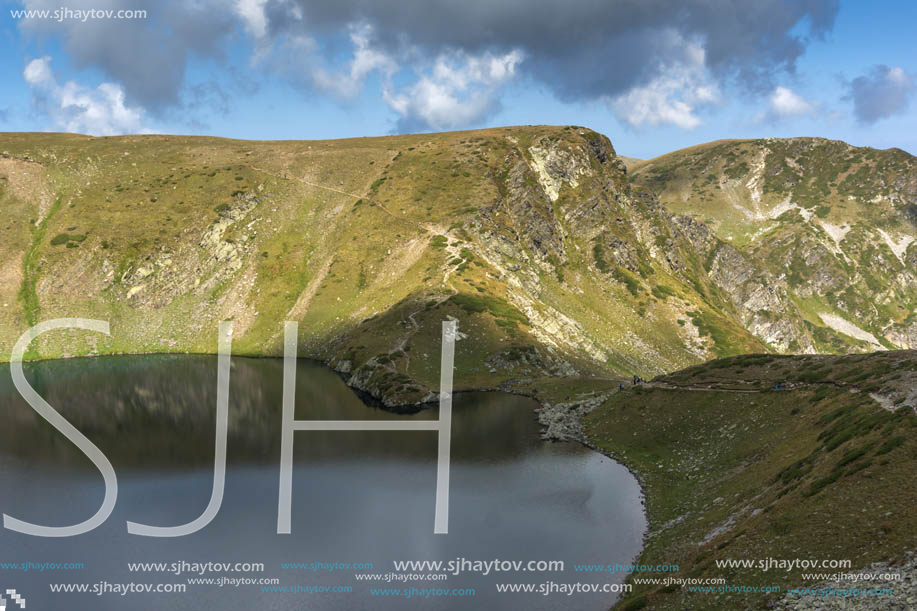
(358, 497)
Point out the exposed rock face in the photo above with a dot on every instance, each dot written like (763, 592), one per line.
(697, 233)
(833, 225)
(556, 167)
(760, 300)
(530, 361)
(903, 335)
(157, 280)
(556, 329)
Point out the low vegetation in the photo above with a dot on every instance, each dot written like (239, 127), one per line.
(734, 468)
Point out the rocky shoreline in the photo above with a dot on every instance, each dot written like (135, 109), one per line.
(564, 421)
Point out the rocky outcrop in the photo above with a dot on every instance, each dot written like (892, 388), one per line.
(760, 300)
(903, 336)
(170, 271)
(530, 361)
(557, 167)
(564, 421)
(899, 594)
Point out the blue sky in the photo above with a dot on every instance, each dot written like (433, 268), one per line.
(653, 75)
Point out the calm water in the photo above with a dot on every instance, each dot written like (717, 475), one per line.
(358, 497)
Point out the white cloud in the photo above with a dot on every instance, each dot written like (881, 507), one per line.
(253, 18)
(673, 96)
(366, 59)
(452, 90)
(785, 102)
(300, 58)
(38, 73)
(459, 91)
(80, 109)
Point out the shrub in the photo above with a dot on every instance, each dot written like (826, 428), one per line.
(599, 255)
(624, 276)
(819, 484)
(661, 291)
(889, 445)
(851, 456)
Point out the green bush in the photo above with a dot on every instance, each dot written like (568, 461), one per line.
(889, 445)
(624, 276)
(663, 292)
(851, 456)
(819, 484)
(599, 256)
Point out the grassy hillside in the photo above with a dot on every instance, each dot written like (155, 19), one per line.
(529, 236)
(532, 237)
(734, 469)
(836, 223)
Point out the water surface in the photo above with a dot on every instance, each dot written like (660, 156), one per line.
(358, 497)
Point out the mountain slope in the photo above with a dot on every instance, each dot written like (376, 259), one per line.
(836, 223)
(735, 469)
(531, 237)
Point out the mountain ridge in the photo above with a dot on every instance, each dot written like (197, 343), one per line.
(830, 217)
(555, 261)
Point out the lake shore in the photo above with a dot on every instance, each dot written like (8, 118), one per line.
(733, 470)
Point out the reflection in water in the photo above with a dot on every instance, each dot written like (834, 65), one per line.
(359, 496)
(155, 411)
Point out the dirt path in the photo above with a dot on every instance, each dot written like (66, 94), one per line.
(670, 386)
(883, 401)
(424, 226)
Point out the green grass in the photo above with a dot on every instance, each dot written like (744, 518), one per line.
(495, 306)
(27, 293)
(767, 474)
